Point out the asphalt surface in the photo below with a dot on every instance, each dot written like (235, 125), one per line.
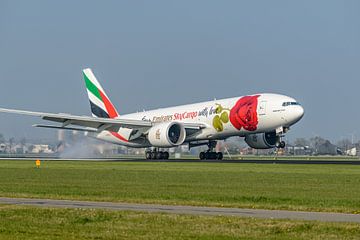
(215, 211)
(257, 161)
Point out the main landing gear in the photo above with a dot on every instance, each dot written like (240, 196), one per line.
(155, 154)
(210, 154)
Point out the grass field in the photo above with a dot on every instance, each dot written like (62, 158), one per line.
(276, 186)
(38, 223)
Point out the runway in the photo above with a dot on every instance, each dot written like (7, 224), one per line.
(257, 161)
(214, 211)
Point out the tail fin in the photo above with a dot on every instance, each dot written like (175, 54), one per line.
(100, 104)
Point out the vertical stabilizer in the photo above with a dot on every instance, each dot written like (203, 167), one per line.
(100, 103)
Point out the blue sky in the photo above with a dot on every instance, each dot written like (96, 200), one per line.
(151, 54)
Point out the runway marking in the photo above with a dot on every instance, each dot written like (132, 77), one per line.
(215, 211)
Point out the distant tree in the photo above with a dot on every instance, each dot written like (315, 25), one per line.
(316, 141)
(11, 143)
(2, 138)
(322, 146)
(31, 147)
(301, 142)
(23, 142)
(232, 147)
(344, 144)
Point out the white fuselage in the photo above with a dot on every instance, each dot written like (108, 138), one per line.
(272, 113)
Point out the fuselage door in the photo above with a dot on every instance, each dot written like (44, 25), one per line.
(262, 108)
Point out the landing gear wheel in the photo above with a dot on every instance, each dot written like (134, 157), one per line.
(156, 155)
(280, 144)
(211, 155)
(159, 155)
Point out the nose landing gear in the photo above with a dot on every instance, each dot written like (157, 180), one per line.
(280, 131)
(280, 144)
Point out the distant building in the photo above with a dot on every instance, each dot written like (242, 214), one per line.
(351, 152)
(19, 149)
(3, 148)
(299, 150)
(41, 148)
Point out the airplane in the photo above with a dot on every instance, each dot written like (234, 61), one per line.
(262, 119)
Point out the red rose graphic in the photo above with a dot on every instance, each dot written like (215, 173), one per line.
(244, 113)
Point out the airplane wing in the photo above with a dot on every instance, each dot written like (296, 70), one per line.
(94, 124)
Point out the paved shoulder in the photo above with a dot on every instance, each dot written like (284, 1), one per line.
(240, 212)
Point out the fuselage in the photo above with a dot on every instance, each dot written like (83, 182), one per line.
(223, 118)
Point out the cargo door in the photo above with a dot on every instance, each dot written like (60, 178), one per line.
(262, 108)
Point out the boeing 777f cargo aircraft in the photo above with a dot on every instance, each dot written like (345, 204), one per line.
(262, 119)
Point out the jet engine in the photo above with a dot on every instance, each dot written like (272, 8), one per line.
(262, 140)
(168, 134)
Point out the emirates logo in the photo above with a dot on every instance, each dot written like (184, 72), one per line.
(157, 134)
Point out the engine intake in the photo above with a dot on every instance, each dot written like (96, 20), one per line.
(167, 134)
(262, 140)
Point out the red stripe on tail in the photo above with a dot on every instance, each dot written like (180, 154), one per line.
(109, 106)
(112, 114)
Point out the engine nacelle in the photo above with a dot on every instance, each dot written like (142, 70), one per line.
(262, 140)
(168, 134)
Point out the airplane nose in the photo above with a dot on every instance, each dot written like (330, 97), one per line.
(300, 112)
(295, 114)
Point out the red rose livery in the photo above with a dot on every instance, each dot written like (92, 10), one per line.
(244, 113)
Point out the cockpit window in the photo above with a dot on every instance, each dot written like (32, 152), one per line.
(290, 103)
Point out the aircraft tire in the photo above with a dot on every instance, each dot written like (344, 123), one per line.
(211, 155)
(159, 155)
(153, 155)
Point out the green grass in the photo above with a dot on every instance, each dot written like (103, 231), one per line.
(276, 186)
(19, 222)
